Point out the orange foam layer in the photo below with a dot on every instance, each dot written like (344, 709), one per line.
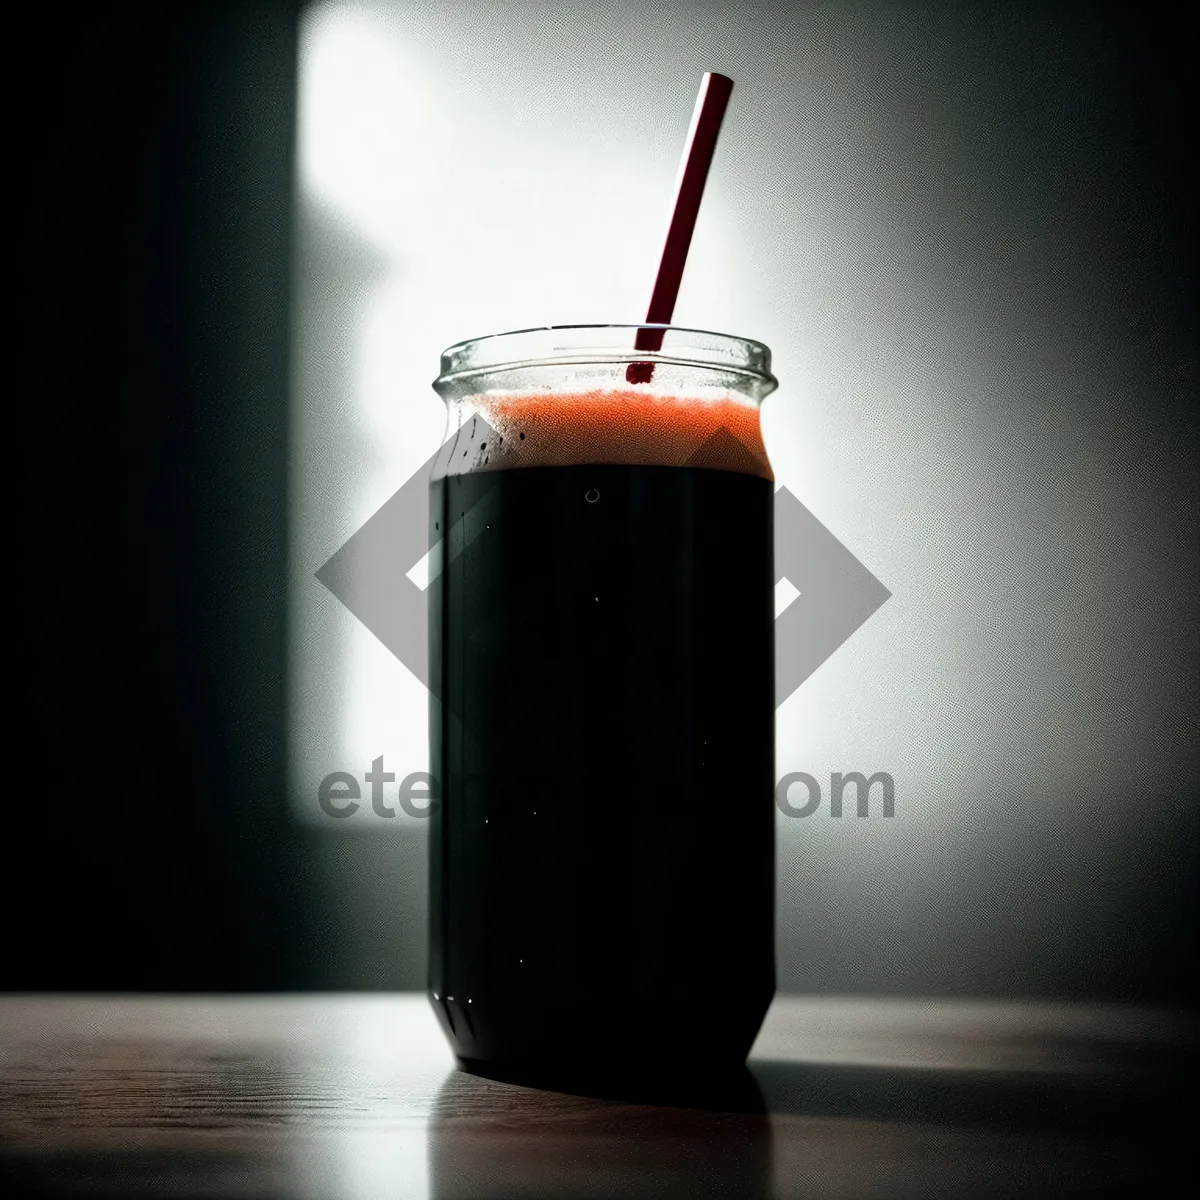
(629, 426)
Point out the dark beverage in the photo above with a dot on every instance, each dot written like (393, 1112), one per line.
(602, 857)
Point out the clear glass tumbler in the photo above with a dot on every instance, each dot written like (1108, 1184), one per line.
(602, 722)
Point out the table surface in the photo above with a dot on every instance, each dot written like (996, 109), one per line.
(352, 1096)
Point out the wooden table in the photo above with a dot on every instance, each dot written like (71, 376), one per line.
(358, 1096)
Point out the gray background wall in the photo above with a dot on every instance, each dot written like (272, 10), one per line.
(951, 225)
(963, 230)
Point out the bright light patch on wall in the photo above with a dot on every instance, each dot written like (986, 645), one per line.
(460, 175)
(429, 213)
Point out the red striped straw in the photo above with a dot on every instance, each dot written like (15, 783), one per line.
(689, 190)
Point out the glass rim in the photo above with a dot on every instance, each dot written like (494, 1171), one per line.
(681, 346)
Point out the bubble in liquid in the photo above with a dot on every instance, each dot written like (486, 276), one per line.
(591, 496)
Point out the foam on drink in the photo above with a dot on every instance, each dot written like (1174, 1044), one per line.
(712, 428)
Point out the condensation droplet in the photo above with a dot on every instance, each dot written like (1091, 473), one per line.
(591, 496)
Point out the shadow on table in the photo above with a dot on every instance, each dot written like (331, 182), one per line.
(785, 1128)
(1146, 1104)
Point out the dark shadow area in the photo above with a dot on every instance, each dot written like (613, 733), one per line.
(153, 287)
(183, 1173)
(734, 1091)
(1146, 1104)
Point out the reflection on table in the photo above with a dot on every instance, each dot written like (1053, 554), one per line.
(358, 1096)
